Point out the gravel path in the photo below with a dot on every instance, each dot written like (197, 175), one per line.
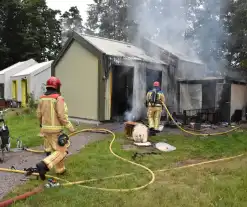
(23, 159)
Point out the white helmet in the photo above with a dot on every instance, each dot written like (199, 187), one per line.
(140, 133)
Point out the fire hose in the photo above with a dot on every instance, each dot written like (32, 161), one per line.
(68, 183)
(181, 128)
(194, 133)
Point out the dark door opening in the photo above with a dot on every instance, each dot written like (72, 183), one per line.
(122, 90)
(224, 102)
(2, 91)
(208, 95)
(151, 77)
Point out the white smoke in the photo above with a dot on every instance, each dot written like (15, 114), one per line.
(138, 98)
(166, 22)
(68, 25)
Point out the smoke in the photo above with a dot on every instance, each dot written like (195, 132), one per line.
(191, 30)
(68, 26)
(137, 100)
(165, 22)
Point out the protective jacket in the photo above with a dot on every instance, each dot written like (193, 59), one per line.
(52, 113)
(155, 101)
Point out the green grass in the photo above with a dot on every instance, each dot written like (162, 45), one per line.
(25, 125)
(218, 184)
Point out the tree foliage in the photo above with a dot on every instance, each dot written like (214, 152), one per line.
(238, 34)
(29, 29)
(109, 18)
(71, 21)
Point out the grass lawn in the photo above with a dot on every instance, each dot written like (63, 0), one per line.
(216, 184)
(26, 126)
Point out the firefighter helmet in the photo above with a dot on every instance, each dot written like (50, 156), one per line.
(156, 84)
(53, 82)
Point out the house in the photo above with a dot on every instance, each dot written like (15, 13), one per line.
(5, 74)
(180, 66)
(227, 95)
(31, 81)
(103, 78)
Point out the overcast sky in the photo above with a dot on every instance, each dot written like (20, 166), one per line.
(64, 5)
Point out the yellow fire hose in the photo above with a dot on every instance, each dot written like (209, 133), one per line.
(193, 133)
(68, 183)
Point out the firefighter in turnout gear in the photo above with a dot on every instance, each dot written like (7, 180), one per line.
(154, 100)
(52, 113)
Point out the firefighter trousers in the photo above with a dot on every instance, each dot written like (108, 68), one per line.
(56, 159)
(154, 115)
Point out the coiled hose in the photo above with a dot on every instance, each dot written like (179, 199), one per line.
(68, 183)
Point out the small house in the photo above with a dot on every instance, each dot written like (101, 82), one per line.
(227, 95)
(104, 78)
(180, 66)
(31, 81)
(5, 74)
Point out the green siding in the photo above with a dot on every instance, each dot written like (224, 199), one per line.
(78, 72)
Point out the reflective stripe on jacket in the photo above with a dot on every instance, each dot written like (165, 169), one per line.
(52, 113)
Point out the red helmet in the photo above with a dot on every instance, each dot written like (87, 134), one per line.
(53, 82)
(156, 84)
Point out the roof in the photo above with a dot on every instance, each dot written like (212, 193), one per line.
(217, 79)
(33, 68)
(120, 49)
(201, 79)
(99, 46)
(179, 54)
(13, 66)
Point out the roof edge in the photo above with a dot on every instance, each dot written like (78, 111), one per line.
(82, 41)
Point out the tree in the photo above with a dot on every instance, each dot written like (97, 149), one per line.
(10, 31)
(71, 21)
(29, 29)
(109, 18)
(238, 34)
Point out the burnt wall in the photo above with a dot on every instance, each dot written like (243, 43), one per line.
(208, 94)
(224, 102)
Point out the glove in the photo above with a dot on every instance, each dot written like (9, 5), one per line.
(71, 129)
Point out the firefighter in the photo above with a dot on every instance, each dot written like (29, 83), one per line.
(154, 100)
(52, 113)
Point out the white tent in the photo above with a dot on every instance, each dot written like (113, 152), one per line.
(32, 80)
(5, 82)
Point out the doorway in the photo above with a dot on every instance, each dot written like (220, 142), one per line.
(208, 95)
(24, 92)
(1, 91)
(14, 89)
(151, 77)
(122, 91)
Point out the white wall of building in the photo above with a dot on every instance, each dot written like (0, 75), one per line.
(238, 97)
(8, 72)
(38, 82)
(36, 76)
(190, 96)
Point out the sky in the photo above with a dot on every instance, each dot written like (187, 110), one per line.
(64, 5)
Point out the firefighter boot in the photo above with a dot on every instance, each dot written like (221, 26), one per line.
(42, 169)
(152, 132)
